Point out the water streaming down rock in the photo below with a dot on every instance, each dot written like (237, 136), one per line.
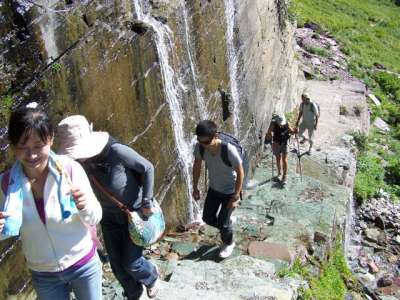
(47, 26)
(233, 62)
(201, 103)
(173, 91)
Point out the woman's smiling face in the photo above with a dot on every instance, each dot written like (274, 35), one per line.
(32, 151)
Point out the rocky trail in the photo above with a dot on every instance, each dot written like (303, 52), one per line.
(275, 224)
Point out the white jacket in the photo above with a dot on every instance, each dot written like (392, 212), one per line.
(58, 244)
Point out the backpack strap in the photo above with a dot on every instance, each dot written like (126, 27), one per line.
(224, 154)
(201, 151)
(5, 181)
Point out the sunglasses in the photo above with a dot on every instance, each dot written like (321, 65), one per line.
(205, 142)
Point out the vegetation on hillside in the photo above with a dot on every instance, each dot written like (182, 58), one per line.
(331, 281)
(369, 33)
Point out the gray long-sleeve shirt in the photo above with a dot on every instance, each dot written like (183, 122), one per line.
(124, 173)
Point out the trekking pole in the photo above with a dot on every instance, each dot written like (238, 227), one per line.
(272, 161)
(299, 157)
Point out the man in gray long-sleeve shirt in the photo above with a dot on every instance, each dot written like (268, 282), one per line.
(129, 177)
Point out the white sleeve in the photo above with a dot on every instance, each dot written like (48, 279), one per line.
(92, 213)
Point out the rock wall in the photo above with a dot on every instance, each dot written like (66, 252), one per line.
(95, 58)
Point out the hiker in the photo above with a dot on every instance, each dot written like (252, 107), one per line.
(309, 113)
(225, 182)
(129, 177)
(47, 200)
(279, 133)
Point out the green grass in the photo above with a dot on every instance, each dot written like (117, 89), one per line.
(318, 51)
(369, 30)
(369, 34)
(330, 283)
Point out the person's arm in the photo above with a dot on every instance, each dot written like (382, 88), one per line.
(268, 135)
(235, 199)
(134, 161)
(89, 208)
(316, 113)
(292, 130)
(300, 115)
(196, 176)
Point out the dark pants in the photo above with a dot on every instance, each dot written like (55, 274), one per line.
(127, 261)
(222, 220)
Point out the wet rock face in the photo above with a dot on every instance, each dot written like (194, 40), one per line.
(95, 58)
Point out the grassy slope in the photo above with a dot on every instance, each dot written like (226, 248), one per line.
(368, 29)
(369, 32)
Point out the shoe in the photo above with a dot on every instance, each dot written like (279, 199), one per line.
(303, 141)
(310, 151)
(276, 178)
(154, 289)
(284, 179)
(226, 250)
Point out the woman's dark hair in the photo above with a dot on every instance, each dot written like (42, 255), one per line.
(206, 128)
(25, 120)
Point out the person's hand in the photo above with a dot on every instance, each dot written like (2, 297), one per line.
(234, 201)
(147, 211)
(315, 126)
(79, 196)
(3, 216)
(196, 194)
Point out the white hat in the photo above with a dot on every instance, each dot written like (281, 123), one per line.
(306, 94)
(78, 140)
(279, 119)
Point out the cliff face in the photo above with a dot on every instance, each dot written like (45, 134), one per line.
(147, 72)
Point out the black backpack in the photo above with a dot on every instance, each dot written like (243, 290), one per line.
(226, 139)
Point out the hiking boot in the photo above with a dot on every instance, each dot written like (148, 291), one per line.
(276, 178)
(153, 291)
(226, 250)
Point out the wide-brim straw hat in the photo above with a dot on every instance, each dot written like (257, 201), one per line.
(77, 138)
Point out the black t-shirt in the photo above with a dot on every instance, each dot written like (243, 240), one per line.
(281, 133)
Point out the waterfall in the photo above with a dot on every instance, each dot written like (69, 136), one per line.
(47, 27)
(173, 91)
(201, 103)
(232, 61)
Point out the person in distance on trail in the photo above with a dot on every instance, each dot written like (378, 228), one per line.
(279, 133)
(225, 182)
(309, 115)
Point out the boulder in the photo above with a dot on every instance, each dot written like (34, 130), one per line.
(270, 251)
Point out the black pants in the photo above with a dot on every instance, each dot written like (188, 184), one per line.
(222, 220)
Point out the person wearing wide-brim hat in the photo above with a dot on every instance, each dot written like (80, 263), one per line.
(129, 177)
(279, 133)
(309, 115)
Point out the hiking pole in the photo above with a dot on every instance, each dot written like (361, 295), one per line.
(299, 157)
(272, 161)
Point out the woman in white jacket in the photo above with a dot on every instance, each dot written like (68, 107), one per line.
(47, 200)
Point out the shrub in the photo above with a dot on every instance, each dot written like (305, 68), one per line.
(361, 140)
(389, 83)
(317, 51)
(369, 177)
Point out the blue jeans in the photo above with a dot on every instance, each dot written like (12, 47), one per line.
(214, 201)
(126, 259)
(85, 282)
